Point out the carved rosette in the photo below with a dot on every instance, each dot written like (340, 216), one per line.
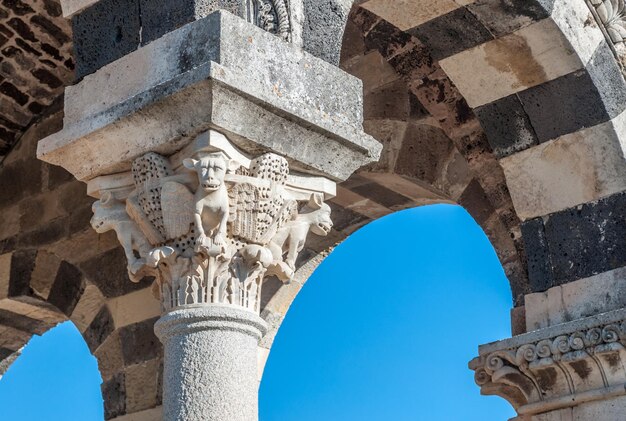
(209, 225)
(272, 16)
(554, 371)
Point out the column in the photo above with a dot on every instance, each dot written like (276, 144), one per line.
(212, 152)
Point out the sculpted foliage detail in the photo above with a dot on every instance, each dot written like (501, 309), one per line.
(211, 231)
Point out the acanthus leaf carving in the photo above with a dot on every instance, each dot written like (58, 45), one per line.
(612, 15)
(551, 369)
(210, 230)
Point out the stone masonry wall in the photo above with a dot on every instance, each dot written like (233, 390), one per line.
(54, 267)
(35, 63)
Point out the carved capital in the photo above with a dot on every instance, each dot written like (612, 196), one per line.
(557, 367)
(210, 223)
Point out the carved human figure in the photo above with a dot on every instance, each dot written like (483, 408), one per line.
(289, 240)
(210, 200)
(110, 214)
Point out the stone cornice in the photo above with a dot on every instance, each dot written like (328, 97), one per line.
(557, 367)
(234, 77)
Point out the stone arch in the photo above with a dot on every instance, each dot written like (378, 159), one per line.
(54, 267)
(446, 141)
(509, 119)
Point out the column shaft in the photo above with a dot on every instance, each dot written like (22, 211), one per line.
(210, 371)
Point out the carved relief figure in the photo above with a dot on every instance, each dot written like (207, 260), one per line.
(211, 200)
(110, 214)
(314, 217)
(213, 241)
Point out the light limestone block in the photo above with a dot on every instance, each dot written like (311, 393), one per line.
(574, 300)
(5, 274)
(88, 306)
(421, 193)
(373, 70)
(153, 414)
(407, 14)
(359, 204)
(13, 339)
(43, 312)
(579, 27)
(603, 410)
(558, 415)
(10, 221)
(573, 169)
(134, 307)
(43, 276)
(236, 78)
(71, 7)
(531, 56)
(141, 382)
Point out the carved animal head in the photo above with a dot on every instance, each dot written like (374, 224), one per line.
(317, 214)
(107, 213)
(211, 170)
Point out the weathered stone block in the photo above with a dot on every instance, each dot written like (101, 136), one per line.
(5, 274)
(475, 202)
(574, 95)
(46, 234)
(412, 14)
(390, 101)
(506, 125)
(580, 242)
(452, 33)
(42, 278)
(159, 18)
(22, 266)
(172, 86)
(142, 381)
(23, 323)
(108, 272)
(512, 63)
(100, 328)
(323, 27)
(134, 307)
(114, 396)
(422, 152)
(538, 256)
(139, 343)
(87, 308)
(576, 168)
(583, 298)
(502, 18)
(608, 79)
(104, 32)
(19, 179)
(67, 288)
(109, 355)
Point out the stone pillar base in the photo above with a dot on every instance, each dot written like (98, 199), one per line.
(210, 371)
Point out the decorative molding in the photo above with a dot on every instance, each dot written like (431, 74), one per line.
(556, 367)
(210, 223)
(611, 15)
(272, 16)
(611, 18)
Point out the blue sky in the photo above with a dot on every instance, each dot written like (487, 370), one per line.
(383, 330)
